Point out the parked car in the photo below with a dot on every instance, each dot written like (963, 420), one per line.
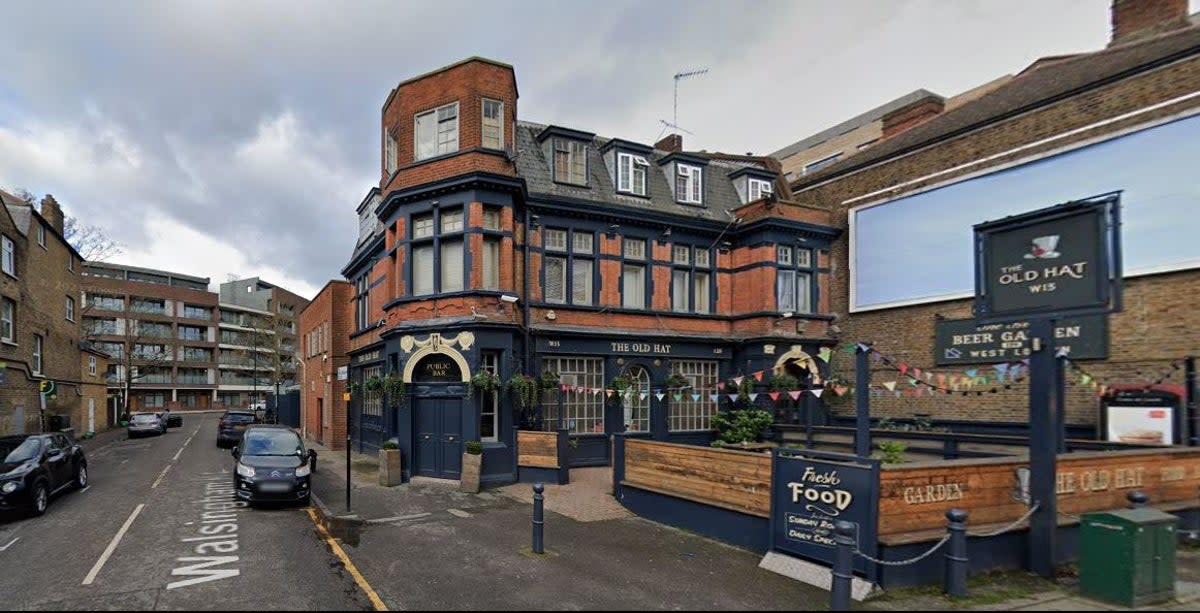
(171, 420)
(35, 467)
(271, 465)
(141, 424)
(231, 425)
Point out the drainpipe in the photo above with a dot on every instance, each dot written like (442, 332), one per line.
(525, 298)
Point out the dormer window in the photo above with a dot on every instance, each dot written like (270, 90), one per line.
(760, 189)
(688, 184)
(631, 174)
(436, 131)
(570, 161)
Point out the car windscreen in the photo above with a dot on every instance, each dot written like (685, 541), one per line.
(272, 442)
(144, 418)
(239, 418)
(19, 450)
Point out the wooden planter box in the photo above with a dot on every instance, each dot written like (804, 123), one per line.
(389, 467)
(469, 481)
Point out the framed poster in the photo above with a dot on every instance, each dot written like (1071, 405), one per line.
(1146, 425)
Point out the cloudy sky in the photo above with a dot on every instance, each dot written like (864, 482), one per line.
(217, 138)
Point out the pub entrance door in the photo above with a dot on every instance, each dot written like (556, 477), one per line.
(438, 417)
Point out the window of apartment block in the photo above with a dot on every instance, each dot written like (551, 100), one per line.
(8, 320)
(107, 303)
(491, 263)
(389, 144)
(115, 350)
(578, 262)
(145, 305)
(441, 249)
(793, 280)
(91, 365)
(580, 412)
(193, 333)
(759, 188)
(493, 124)
(70, 309)
(36, 366)
(570, 161)
(9, 262)
(688, 183)
(631, 173)
(436, 131)
(154, 401)
(633, 274)
(821, 163)
(197, 312)
(41, 236)
(694, 408)
(489, 421)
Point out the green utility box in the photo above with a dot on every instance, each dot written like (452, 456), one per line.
(1127, 557)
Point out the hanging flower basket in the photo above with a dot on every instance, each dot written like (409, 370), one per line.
(678, 382)
(524, 390)
(393, 388)
(483, 381)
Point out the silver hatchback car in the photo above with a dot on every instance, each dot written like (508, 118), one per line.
(141, 424)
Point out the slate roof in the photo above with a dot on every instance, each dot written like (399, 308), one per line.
(1039, 86)
(870, 116)
(533, 165)
(20, 210)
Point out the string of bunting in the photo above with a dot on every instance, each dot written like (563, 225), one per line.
(949, 383)
(1101, 388)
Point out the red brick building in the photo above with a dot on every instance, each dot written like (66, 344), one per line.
(1123, 119)
(325, 327)
(496, 245)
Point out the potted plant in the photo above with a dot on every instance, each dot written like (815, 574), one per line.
(549, 380)
(483, 381)
(389, 464)
(393, 388)
(374, 385)
(740, 427)
(620, 384)
(471, 463)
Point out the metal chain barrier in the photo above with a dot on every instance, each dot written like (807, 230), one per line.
(1011, 526)
(904, 562)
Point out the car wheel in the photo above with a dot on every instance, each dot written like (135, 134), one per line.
(81, 476)
(306, 501)
(41, 500)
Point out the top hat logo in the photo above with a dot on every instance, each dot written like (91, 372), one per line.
(1043, 248)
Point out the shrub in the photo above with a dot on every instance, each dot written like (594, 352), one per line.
(389, 445)
(891, 452)
(741, 425)
(473, 447)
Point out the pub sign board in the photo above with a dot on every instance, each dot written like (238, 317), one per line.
(1056, 261)
(969, 341)
(437, 368)
(810, 490)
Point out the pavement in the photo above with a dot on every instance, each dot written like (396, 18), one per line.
(157, 529)
(426, 545)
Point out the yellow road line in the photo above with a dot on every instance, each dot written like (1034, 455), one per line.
(341, 554)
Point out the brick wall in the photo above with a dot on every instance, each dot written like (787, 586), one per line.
(1157, 324)
(330, 312)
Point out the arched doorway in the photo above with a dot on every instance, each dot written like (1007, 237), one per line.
(438, 412)
(800, 365)
(637, 400)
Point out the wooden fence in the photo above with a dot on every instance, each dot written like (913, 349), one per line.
(733, 480)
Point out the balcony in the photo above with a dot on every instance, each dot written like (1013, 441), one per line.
(193, 379)
(148, 309)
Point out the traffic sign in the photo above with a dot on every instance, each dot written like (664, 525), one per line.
(48, 387)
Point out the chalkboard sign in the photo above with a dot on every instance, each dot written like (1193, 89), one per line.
(810, 490)
(437, 368)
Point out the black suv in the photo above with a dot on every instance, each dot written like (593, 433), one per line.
(271, 465)
(231, 426)
(34, 467)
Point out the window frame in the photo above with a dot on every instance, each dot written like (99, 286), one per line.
(70, 309)
(489, 361)
(391, 152)
(439, 235)
(803, 274)
(8, 256)
(8, 319)
(582, 413)
(437, 131)
(634, 163)
(573, 257)
(91, 366)
(762, 186)
(693, 172)
(690, 269)
(483, 123)
(35, 363)
(821, 163)
(641, 261)
(571, 145)
(686, 414)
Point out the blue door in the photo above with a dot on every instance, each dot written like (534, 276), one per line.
(439, 423)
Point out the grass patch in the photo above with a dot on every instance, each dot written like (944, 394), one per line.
(986, 589)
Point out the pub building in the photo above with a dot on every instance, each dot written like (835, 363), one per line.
(498, 245)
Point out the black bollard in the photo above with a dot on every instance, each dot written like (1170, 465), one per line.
(538, 520)
(843, 571)
(956, 555)
(1137, 499)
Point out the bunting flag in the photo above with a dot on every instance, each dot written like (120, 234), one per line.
(914, 382)
(738, 381)
(941, 380)
(875, 357)
(733, 397)
(714, 397)
(752, 396)
(1001, 370)
(897, 393)
(720, 385)
(890, 385)
(660, 396)
(972, 373)
(849, 348)
(928, 377)
(677, 397)
(903, 368)
(863, 347)
(817, 391)
(696, 397)
(795, 394)
(825, 354)
(774, 396)
(595, 391)
(609, 393)
(642, 395)
(757, 376)
(1085, 378)
(840, 390)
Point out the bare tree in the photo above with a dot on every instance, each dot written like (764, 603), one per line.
(90, 241)
(144, 346)
(276, 367)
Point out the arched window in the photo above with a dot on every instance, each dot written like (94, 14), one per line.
(637, 401)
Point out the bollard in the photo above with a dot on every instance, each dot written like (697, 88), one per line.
(538, 521)
(843, 571)
(1137, 499)
(956, 555)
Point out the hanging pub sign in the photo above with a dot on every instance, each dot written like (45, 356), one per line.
(969, 341)
(1056, 261)
(810, 490)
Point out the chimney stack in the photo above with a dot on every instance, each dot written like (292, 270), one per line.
(52, 212)
(912, 115)
(1137, 19)
(671, 143)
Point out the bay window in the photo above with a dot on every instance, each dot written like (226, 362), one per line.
(437, 262)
